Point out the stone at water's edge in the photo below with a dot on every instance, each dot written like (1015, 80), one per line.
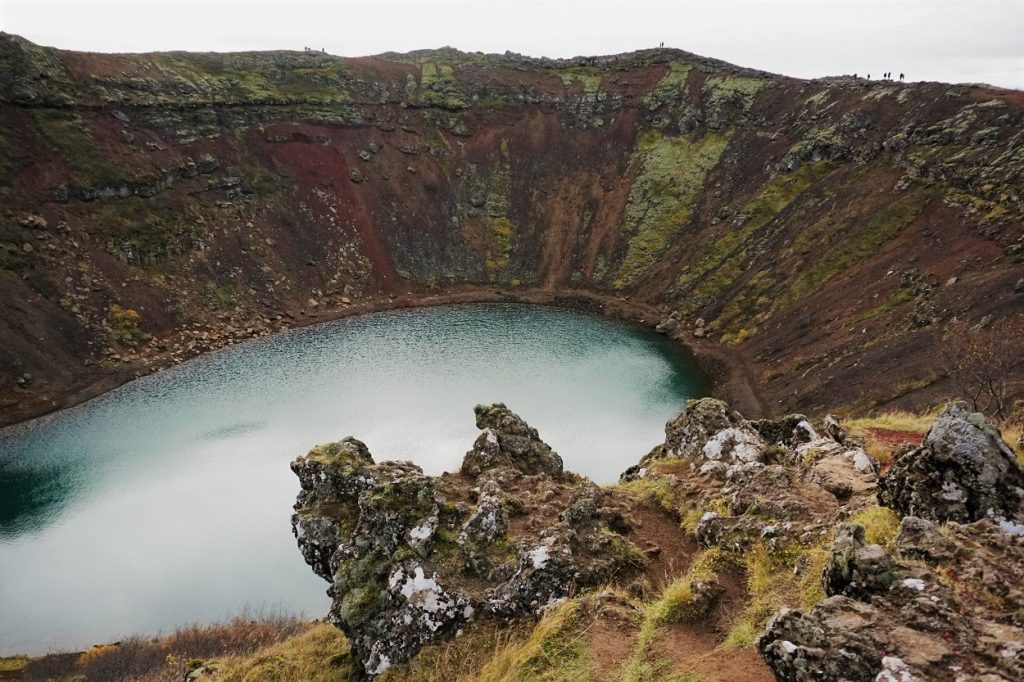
(413, 559)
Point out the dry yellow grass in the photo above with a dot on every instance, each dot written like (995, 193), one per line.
(555, 650)
(916, 423)
(12, 664)
(895, 420)
(1012, 435)
(320, 654)
(460, 659)
(772, 584)
(881, 524)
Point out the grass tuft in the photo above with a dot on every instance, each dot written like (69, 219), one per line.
(320, 654)
(676, 604)
(881, 524)
(555, 650)
(785, 576)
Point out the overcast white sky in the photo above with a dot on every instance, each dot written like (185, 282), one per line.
(947, 40)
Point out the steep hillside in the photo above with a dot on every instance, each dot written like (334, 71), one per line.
(825, 232)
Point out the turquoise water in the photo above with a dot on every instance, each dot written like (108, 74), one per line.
(168, 500)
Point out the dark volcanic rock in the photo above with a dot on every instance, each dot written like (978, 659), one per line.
(963, 471)
(907, 622)
(412, 558)
(857, 569)
(508, 441)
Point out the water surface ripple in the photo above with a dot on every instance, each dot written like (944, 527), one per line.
(167, 501)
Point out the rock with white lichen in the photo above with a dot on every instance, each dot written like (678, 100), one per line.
(411, 559)
(963, 471)
(953, 612)
(506, 440)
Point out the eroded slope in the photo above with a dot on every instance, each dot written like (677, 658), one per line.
(159, 205)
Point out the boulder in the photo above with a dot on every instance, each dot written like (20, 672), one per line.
(857, 569)
(669, 325)
(207, 164)
(834, 430)
(708, 430)
(963, 471)
(32, 221)
(508, 441)
(921, 539)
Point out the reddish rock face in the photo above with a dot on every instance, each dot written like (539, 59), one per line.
(815, 225)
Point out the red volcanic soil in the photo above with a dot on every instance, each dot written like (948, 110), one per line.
(815, 264)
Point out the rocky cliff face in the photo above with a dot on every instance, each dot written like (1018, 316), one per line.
(159, 205)
(730, 533)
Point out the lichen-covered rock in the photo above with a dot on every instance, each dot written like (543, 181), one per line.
(411, 559)
(921, 539)
(688, 434)
(363, 527)
(834, 429)
(953, 614)
(711, 436)
(488, 521)
(790, 431)
(769, 481)
(508, 441)
(802, 648)
(857, 569)
(331, 475)
(963, 471)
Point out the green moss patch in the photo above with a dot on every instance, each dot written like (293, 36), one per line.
(439, 87)
(588, 77)
(671, 88)
(672, 172)
(233, 78)
(719, 262)
(737, 90)
(847, 248)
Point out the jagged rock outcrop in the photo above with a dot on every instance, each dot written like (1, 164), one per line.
(777, 478)
(887, 619)
(963, 471)
(412, 559)
(950, 607)
(508, 441)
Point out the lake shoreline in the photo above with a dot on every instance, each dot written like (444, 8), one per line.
(220, 433)
(731, 375)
